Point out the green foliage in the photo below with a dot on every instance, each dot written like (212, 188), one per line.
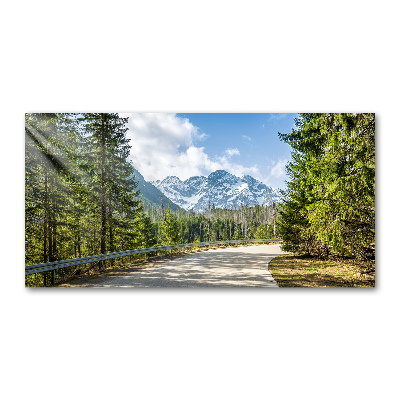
(329, 205)
(238, 235)
(80, 197)
(111, 180)
(170, 228)
(143, 229)
(262, 232)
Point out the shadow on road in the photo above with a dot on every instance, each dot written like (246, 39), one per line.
(205, 269)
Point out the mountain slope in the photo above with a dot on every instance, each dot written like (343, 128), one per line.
(150, 194)
(220, 188)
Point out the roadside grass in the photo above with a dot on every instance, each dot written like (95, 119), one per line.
(300, 271)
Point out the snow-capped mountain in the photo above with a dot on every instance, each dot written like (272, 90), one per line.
(220, 188)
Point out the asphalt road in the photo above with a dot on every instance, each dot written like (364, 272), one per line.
(223, 267)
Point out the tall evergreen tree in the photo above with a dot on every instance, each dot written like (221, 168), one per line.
(329, 205)
(112, 176)
(80, 196)
(170, 228)
(144, 230)
(51, 143)
(261, 232)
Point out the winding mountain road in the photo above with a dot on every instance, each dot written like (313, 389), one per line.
(223, 267)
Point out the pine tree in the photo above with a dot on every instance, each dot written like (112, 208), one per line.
(329, 205)
(261, 232)
(238, 235)
(80, 193)
(170, 228)
(112, 181)
(144, 229)
(51, 144)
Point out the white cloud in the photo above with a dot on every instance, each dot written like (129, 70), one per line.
(277, 116)
(164, 144)
(232, 152)
(237, 169)
(246, 137)
(278, 170)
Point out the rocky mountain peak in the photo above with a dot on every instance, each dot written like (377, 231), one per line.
(220, 188)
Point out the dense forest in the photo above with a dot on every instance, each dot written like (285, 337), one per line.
(81, 196)
(247, 222)
(329, 205)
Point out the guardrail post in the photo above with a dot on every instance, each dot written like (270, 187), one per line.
(53, 277)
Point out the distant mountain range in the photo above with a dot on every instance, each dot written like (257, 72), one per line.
(221, 189)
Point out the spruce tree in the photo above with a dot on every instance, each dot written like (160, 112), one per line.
(261, 232)
(170, 228)
(112, 177)
(144, 230)
(329, 206)
(51, 146)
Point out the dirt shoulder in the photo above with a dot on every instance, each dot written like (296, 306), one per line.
(297, 271)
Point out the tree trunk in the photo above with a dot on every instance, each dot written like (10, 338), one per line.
(45, 220)
(110, 228)
(79, 246)
(103, 193)
(51, 221)
(54, 227)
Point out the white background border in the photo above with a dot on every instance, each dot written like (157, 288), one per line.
(199, 57)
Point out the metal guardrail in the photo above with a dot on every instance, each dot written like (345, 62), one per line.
(54, 265)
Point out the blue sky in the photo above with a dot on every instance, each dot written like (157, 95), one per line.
(186, 144)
